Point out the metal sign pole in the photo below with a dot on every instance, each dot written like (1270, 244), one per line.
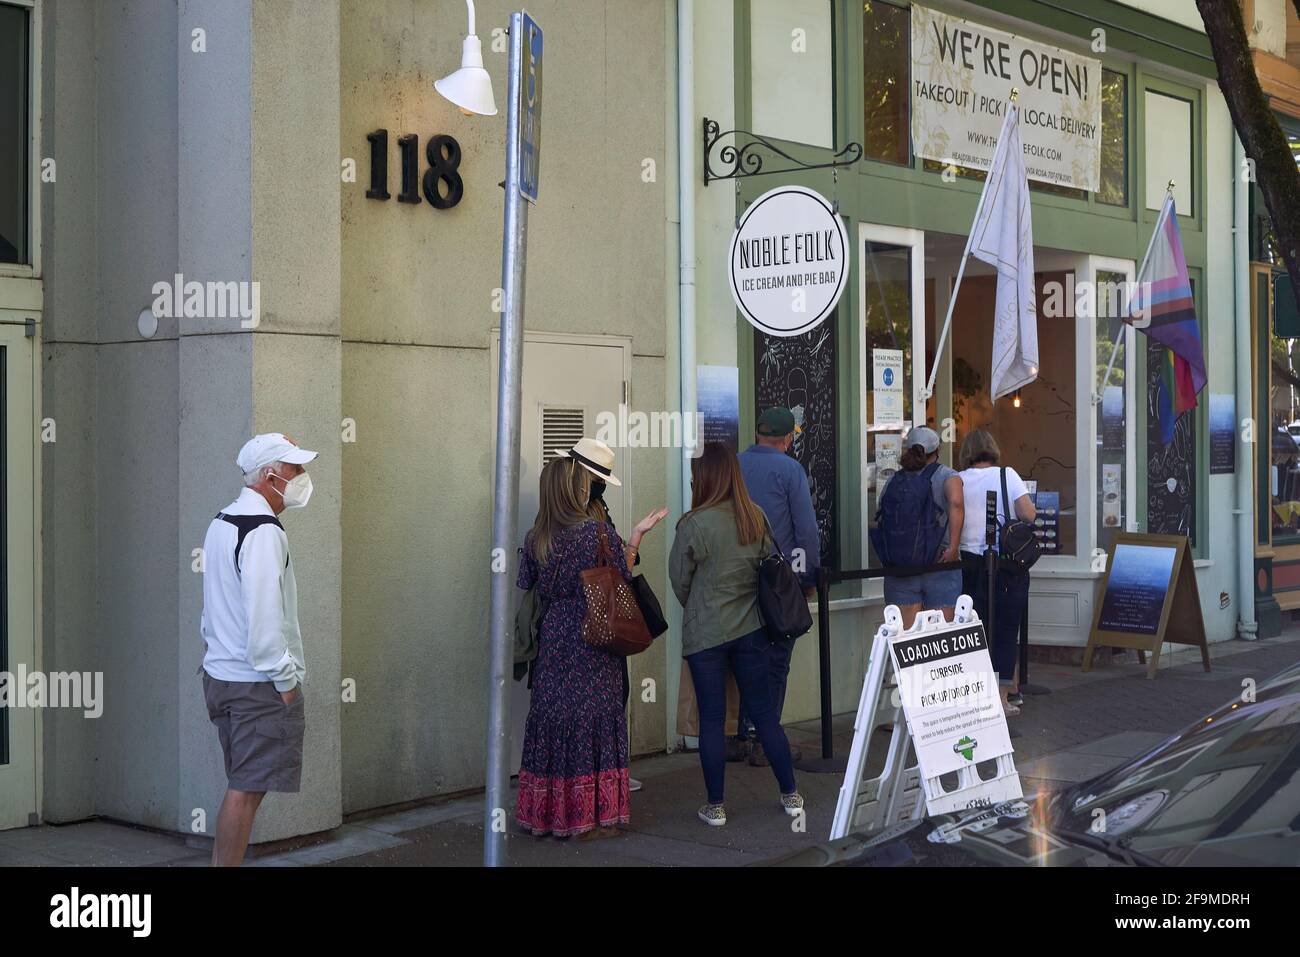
(505, 494)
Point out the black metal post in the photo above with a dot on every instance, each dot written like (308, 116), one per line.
(827, 763)
(824, 658)
(990, 561)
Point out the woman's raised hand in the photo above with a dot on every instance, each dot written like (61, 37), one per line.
(651, 520)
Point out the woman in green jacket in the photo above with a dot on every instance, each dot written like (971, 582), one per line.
(714, 570)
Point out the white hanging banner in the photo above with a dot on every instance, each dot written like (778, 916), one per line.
(962, 74)
(789, 261)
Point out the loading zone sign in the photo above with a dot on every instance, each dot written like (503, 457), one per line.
(789, 261)
(950, 697)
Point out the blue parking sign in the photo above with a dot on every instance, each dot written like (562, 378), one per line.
(530, 108)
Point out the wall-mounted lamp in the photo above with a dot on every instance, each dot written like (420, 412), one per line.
(470, 87)
(1015, 399)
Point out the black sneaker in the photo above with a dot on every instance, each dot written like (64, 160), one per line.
(1016, 699)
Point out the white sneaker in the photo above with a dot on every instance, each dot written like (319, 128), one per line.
(633, 784)
(713, 815)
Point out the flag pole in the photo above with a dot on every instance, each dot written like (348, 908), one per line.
(928, 392)
(1096, 395)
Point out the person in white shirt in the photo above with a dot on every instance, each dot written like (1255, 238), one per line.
(253, 669)
(981, 475)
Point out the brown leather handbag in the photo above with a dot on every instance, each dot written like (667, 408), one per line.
(613, 621)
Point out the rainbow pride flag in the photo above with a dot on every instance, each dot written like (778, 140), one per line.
(1164, 310)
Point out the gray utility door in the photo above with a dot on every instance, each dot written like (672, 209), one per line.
(568, 381)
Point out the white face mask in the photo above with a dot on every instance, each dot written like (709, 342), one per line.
(297, 490)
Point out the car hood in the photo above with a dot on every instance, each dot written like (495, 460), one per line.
(1011, 834)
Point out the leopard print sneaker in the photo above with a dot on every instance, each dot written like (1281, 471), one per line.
(792, 803)
(713, 815)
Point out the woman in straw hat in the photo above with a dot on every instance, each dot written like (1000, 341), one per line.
(573, 778)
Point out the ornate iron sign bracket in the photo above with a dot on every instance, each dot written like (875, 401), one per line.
(740, 161)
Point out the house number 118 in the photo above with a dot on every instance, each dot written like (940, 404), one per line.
(442, 185)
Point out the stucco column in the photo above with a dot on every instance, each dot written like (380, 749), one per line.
(259, 203)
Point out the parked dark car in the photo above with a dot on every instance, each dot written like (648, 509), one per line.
(1223, 792)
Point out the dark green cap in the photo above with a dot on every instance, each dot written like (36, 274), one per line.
(776, 421)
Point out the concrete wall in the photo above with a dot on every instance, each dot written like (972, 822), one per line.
(175, 159)
(109, 480)
(417, 295)
(69, 597)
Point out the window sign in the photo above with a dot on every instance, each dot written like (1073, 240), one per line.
(962, 76)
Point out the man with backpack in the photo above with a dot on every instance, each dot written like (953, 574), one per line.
(253, 668)
(779, 485)
(919, 520)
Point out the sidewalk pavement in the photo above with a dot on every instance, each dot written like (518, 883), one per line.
(1087, 724)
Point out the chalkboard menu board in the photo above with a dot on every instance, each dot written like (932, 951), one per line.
(799, 372)
(1171, 469)
(1148, 597)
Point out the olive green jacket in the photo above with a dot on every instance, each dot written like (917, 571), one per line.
(715, 578)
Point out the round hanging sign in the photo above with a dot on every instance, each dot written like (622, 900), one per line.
(789, 261)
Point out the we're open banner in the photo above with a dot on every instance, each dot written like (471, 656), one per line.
(962, 76)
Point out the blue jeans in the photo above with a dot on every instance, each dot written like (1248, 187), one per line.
(778, 657)
(747, 658)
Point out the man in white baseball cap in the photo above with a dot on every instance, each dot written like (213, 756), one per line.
(254, 668)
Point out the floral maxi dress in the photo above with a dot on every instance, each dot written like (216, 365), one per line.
(573, 774)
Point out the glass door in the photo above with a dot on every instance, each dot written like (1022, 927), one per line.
(1114, 422)
(891, 359)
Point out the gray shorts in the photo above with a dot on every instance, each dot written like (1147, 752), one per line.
(261, 736)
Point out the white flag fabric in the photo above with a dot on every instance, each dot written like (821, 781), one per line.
(1003, 237)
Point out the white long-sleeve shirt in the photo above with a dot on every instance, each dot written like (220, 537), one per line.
(250, 614)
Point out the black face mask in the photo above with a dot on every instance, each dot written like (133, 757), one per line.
(597, 490)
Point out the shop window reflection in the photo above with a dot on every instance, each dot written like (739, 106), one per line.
(14, 213)
(1112, 413)
(1038, 439)
(887, 308)
(886, 58)
(1284, 414)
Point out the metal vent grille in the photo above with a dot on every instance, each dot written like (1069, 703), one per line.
(561, 430)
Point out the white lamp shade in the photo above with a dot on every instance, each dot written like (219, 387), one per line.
(470, 87)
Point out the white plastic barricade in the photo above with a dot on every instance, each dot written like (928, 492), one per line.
(936, 685)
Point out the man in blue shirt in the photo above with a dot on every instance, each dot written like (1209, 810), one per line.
(778, 483)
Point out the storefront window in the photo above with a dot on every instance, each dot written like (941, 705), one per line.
(886, 54)
(1112, 415)
(792, 85)
(1284, 431)
(14, 111)
(1169, 142)
(1114, 139)
(887, 308)
(1036, 428)
(1264, 240)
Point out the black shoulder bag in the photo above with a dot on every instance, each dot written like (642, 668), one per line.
(781, 603)
(1019, 544)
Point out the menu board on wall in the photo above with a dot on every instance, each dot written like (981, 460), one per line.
(1047, 523)
(1148, 597)
(1171, 469)
(798, 372)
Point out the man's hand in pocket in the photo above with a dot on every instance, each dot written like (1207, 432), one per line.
(288, 697)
